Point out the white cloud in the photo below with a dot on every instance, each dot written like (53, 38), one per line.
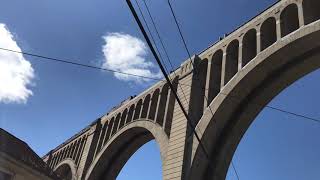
(16, 73)
(127, 54)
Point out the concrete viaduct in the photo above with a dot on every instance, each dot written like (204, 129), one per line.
(239, 75)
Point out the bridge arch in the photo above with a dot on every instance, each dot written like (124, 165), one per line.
(66, 169)
(110, 160)
(244, 96)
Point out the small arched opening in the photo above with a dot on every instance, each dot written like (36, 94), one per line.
(130, 114)
(215, 75)
(123, 118)
(231, 67)
(162, 104)
(109, 129)
(289, 20)
(268, 33)
(249, 47)
(116, 124)
(145, 106)
(154, 103)
(311, 10)
(137, 110)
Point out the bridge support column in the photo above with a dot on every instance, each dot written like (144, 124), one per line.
(223, 69)
(278, 25)
(175, 161)
(240, 58)
(258, 41)
(87, 154)
(300, 14)
(207, 87)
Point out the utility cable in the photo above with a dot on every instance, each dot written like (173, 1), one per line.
(152, 38)
(194, 67)
(150, 78)
(154, 42)
(190, 123)
(78, 64)
(235, 170)
(164, 48)
(188, 52)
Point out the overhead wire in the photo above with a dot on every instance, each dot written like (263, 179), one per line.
(71, 62)
(189, 121)
(152, 38)
(154, 79)
(164, 48)
(187, 49)
(154, 42)
(195, 71)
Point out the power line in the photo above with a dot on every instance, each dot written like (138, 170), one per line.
(294, 114)
(235, 170)
(195, 72)
(158, 34)
(180, 32)
(190, 123)
(78, 64)
(194, 67)
(189, 120)
(172, 66)
(152, 38)
(154, 42)
(186, 48)
(163, 47)
(154, 79)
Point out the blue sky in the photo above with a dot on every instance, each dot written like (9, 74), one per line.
(66, 98)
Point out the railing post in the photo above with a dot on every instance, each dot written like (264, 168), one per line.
(258, 41)
(300, 14)
(206, 103)
(223, 69)
(240, 49)
(278, 25)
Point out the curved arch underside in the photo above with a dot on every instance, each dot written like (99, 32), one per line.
(247, 93)
(123, 145)
(66, 169)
